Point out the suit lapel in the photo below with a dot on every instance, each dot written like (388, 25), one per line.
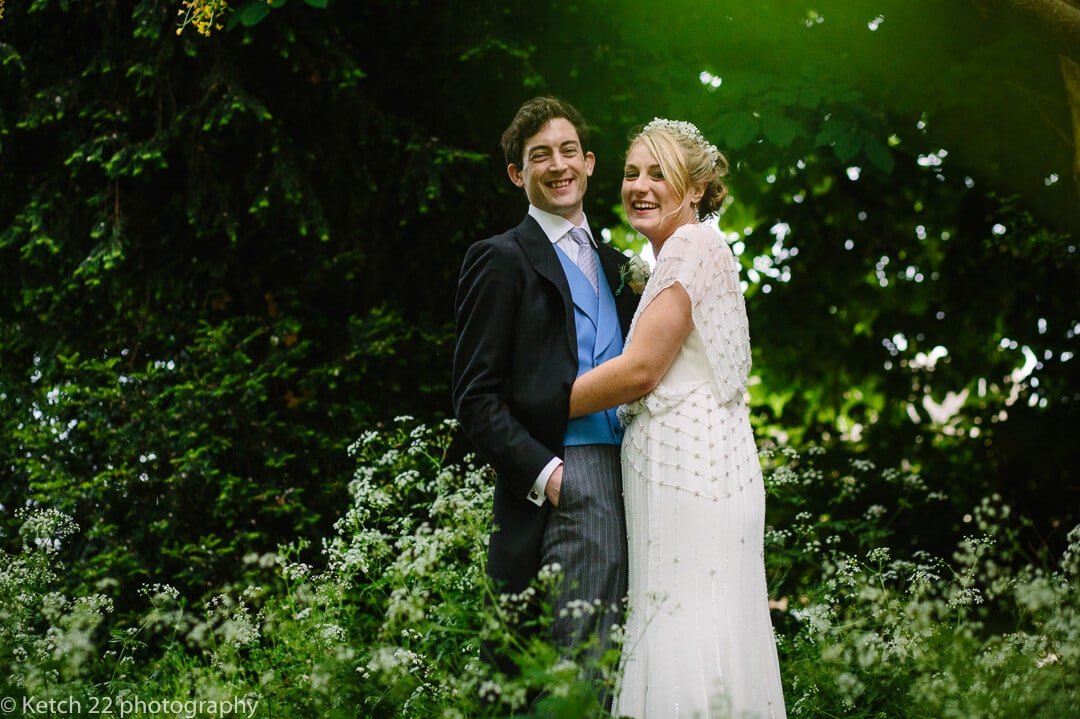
(611, 260)
(541, 255)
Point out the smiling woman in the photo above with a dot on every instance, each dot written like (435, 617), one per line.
(653, 206)
(698, 635)
(672, 176)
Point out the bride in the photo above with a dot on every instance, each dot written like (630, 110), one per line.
(698, 638)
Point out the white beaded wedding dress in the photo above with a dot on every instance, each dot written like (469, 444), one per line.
(698, 639)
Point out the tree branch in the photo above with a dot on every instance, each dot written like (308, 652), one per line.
(1060, 19)
(1070, 71)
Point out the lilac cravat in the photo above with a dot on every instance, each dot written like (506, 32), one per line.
(586, 256)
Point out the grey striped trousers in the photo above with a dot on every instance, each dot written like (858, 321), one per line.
(586, 535)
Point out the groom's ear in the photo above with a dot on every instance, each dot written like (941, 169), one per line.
(515, 175)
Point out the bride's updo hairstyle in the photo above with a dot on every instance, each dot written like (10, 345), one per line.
(687, 159)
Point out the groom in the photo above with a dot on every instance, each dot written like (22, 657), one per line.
(536, 307)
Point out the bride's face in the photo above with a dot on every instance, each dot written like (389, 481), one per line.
(651, 204)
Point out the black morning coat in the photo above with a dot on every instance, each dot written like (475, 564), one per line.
(514, 363)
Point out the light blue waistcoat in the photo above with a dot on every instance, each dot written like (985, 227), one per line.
(599, 338)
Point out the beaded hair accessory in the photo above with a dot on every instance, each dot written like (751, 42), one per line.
(686, 130)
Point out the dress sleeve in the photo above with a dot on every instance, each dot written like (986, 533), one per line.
(698, 258)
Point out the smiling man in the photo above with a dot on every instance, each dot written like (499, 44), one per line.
(535, 308)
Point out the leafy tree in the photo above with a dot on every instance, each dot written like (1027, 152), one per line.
(222, 256)
(902, 205)
(202, 249)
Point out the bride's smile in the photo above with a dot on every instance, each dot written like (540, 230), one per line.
(651, 203)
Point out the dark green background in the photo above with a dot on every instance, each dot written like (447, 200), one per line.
(222, 258)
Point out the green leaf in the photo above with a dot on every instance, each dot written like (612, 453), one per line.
(317, 3)
(847, 146)
(878, 154)
(779, 130)
(831, 132)
(253, 13)
(739, 129)
(811, 98)
(783, 97)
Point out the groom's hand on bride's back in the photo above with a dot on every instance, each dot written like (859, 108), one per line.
(554, 484)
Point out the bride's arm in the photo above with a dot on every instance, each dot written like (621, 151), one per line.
(659, 333)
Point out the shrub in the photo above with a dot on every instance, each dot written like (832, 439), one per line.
(391, 623)
(884, 631)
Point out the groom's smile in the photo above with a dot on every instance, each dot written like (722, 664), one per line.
(555, 170)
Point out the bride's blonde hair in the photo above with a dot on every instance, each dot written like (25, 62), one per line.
(687, 160)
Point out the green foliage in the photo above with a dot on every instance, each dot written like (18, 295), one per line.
(184, 348)
(176, 199)
(412, 547)
(894, 301)
(220, 256)
(877, 625)
(389, 623)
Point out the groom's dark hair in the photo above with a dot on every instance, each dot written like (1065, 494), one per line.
(531, 117)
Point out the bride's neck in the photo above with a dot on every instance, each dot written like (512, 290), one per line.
(657, 244)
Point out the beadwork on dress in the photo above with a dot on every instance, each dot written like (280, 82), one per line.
(698, 637)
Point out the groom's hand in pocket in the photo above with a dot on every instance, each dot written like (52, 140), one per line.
(554, 484)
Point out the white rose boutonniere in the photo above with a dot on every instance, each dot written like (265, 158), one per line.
(634, 273)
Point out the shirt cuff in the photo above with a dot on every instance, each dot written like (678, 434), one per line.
(537, 494)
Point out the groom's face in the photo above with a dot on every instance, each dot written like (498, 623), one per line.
(555, 169)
